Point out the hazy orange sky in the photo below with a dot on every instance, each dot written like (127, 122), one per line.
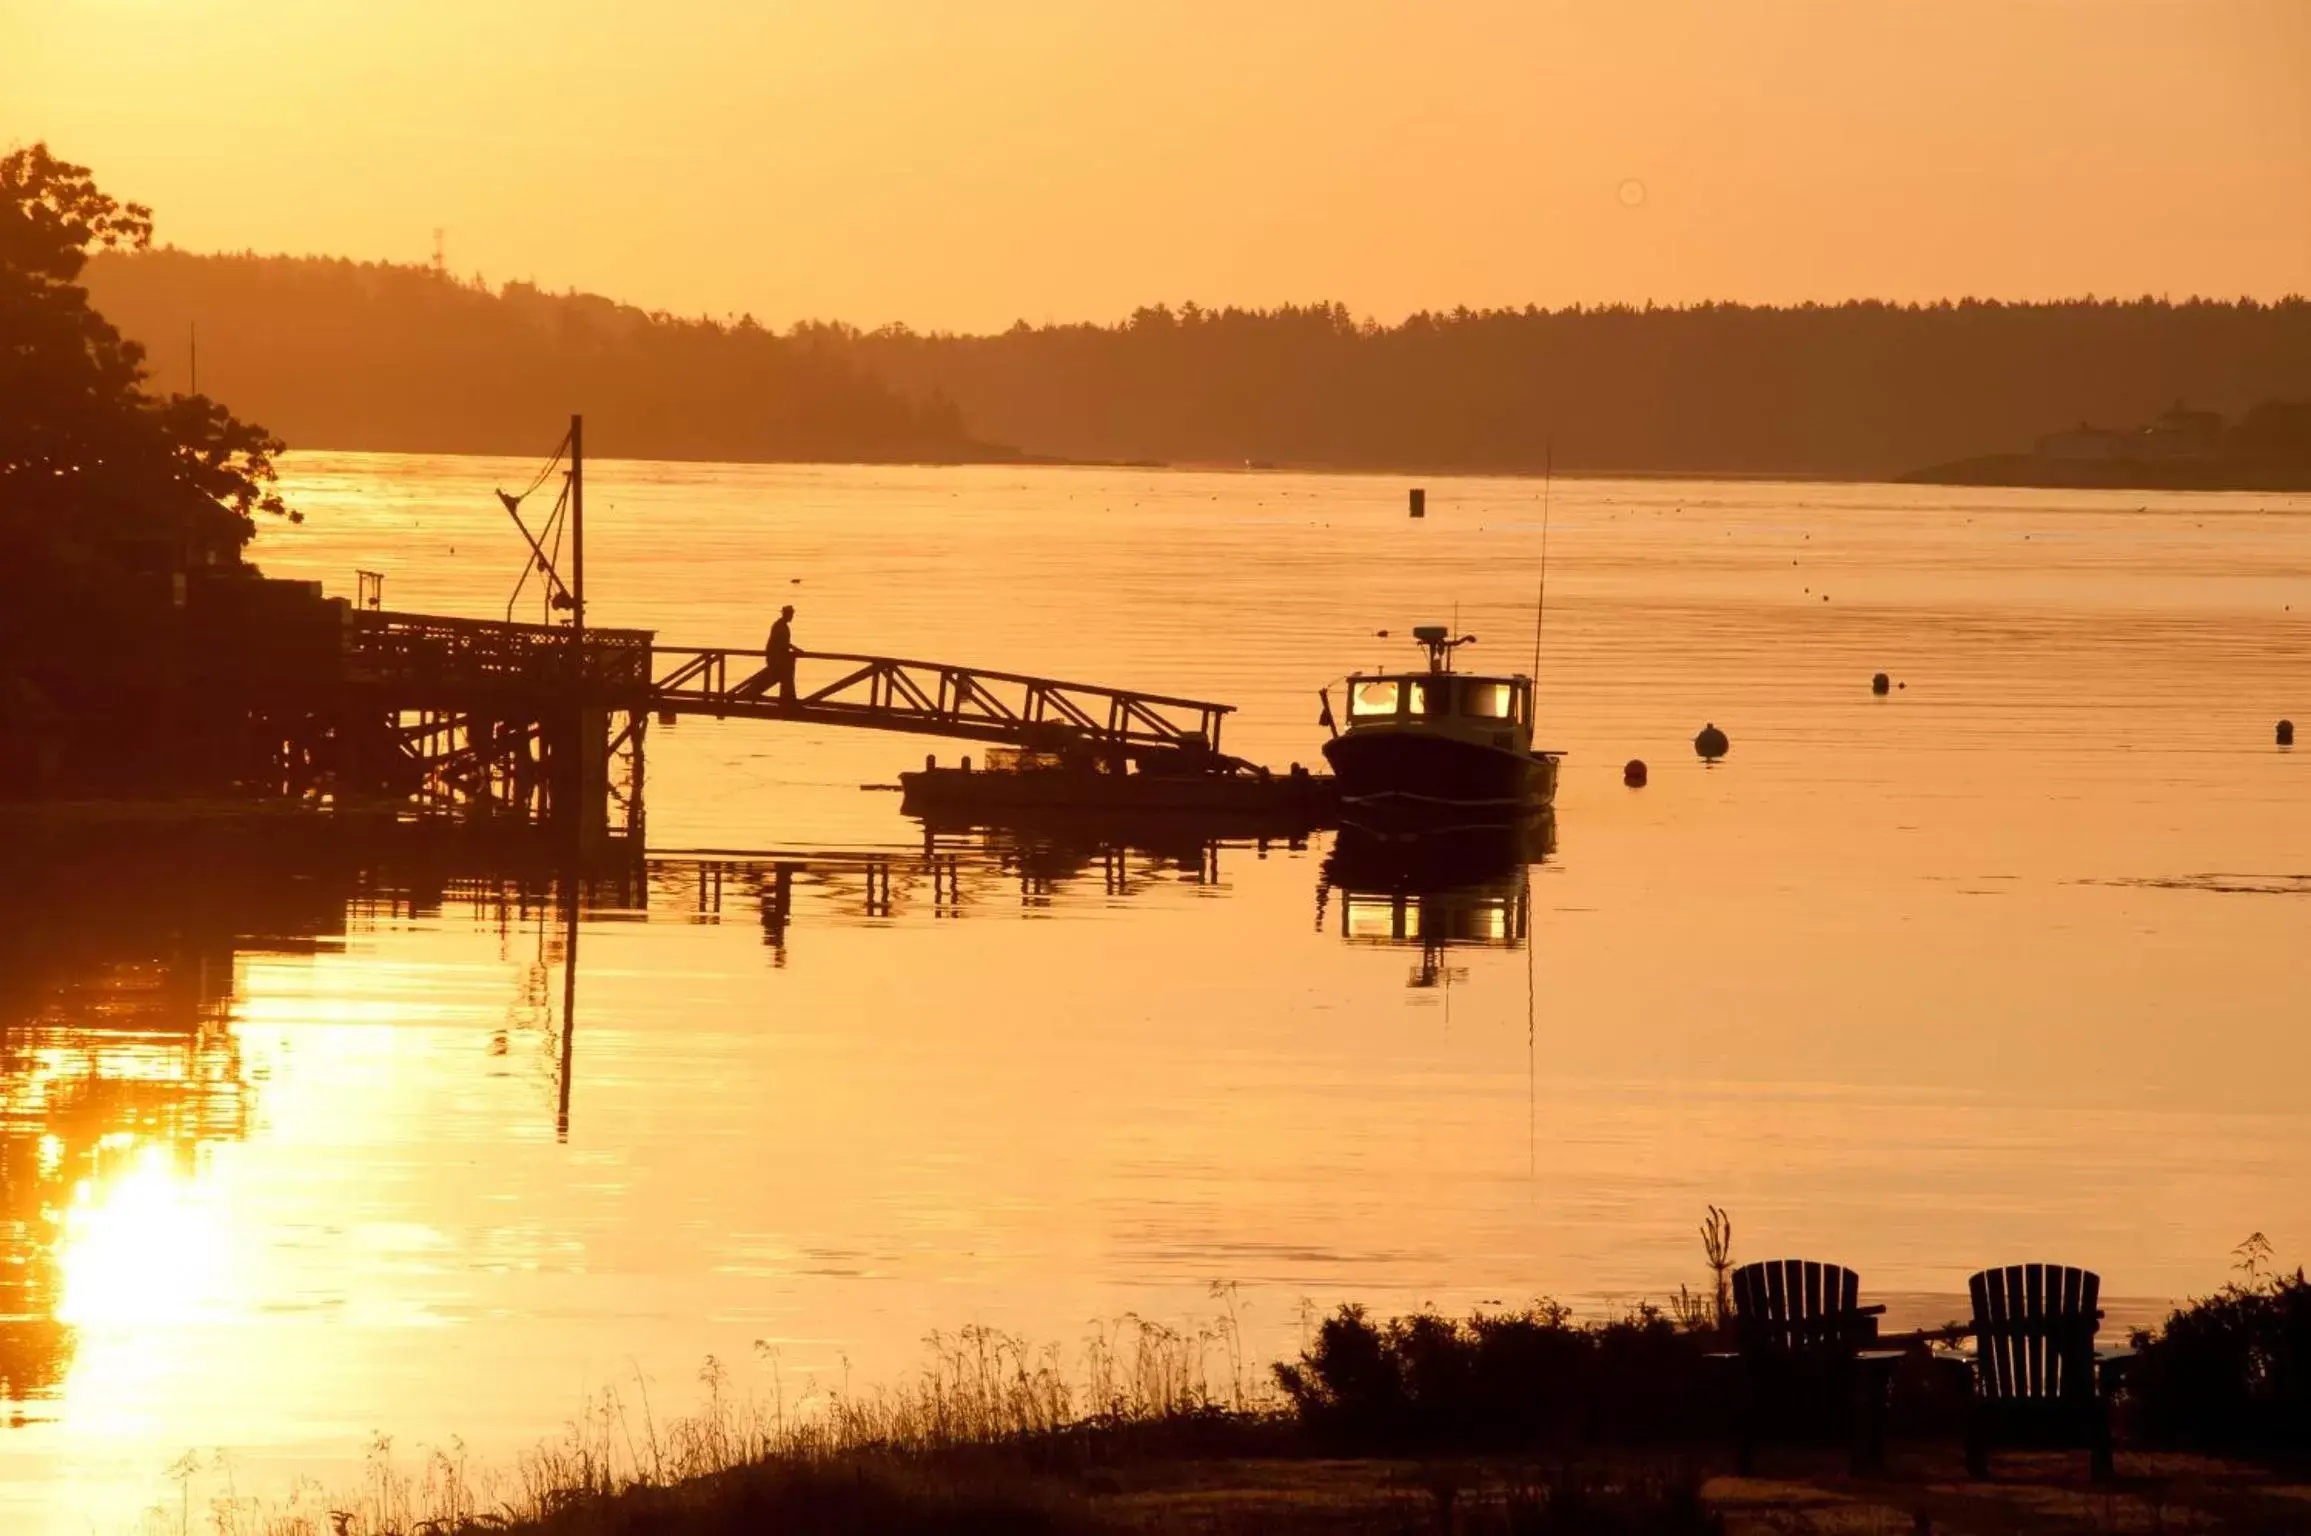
(965, 163)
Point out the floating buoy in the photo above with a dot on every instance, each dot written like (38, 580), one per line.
(1633, 773)
(1881, 684)
(2286, 733)
(1711, 743)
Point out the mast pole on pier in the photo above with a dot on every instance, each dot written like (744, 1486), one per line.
(578, 531)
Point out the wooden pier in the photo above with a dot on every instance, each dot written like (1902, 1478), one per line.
(490, 718)
(224, 681)
(493, 717)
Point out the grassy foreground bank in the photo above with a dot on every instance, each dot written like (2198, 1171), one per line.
(1513, 1422)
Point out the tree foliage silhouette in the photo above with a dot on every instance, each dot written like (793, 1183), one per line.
(1862, 389)
(100, 481)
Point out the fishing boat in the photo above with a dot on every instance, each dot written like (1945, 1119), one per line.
(1439, 743)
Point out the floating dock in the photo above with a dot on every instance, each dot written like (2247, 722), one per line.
(1025, 790)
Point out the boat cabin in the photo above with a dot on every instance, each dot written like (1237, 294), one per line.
(1434, 697)
(1497, 711)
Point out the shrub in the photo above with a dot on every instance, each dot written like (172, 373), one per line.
(2230, 1372)
(1497, 1381)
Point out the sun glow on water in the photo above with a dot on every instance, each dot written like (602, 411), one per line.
(145, 1246)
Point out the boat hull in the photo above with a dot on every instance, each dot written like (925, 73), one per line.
(1411, 769)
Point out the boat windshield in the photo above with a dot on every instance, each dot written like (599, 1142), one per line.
(1377, 696)
(1475, 698)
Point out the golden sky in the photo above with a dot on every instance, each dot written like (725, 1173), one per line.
(965, 163)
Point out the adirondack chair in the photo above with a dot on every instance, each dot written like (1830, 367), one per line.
(2036, 1377)
(1803, 1368)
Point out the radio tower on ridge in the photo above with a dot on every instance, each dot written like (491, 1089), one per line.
(440, 256)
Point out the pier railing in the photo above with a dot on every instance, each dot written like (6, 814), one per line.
(421, 655)
(934, 698)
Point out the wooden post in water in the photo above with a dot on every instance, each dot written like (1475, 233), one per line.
(1419, 502)
(589, 774)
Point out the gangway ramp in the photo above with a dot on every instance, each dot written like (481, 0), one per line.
(933, 698)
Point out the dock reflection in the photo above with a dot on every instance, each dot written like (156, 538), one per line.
(125, 959)
(1434, 890)
(123, 948)
(949, 875)
(118, 1067)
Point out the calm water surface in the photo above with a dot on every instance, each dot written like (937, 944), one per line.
(2004, 966)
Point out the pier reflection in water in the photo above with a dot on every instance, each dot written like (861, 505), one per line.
(122, 1069)
(125, 963)
(117, 1068)
(952, 874)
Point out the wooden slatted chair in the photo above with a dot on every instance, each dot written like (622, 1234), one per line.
(1804, 1368)
(2036, 1377)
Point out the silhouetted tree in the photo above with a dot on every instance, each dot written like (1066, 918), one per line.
(100, 481)
(344, 354)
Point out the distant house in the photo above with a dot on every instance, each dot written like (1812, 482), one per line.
(2084, 442)
(2178, 434)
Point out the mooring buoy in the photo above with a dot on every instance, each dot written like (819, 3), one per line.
(1711, 743)
(2286, 733)
(1633, 773)
(1880, 683)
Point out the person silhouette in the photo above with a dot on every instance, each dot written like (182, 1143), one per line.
(778, 654)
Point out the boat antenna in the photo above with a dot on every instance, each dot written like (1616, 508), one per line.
(1541, 600)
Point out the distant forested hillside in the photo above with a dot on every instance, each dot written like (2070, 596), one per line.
(341, 354)
(1859, 390)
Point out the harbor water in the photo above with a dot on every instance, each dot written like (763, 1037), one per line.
(2002, 965)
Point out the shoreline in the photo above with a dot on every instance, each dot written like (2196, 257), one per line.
(1937, 475)
(2023, 471)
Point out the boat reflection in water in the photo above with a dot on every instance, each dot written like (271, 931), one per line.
(1435, 889)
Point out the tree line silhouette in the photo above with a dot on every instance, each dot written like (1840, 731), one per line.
(365, 355)
(1862, 389)
(371, 355)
